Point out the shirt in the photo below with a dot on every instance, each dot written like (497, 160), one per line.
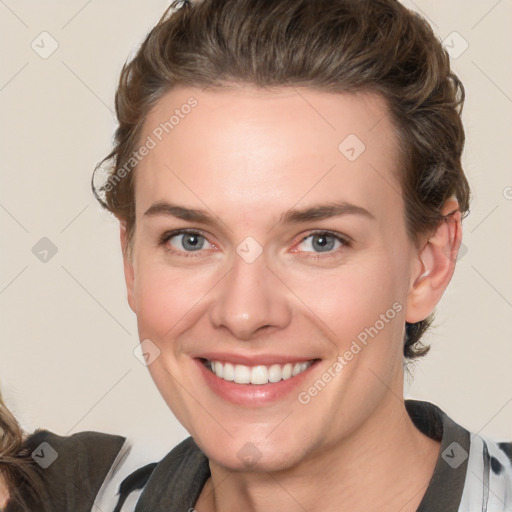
(472, 473)
(72, 470)
(94, 472)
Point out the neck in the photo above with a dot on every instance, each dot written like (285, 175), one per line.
(385, 465)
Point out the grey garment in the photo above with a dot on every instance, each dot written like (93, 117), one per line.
(178, 479)
(471, 475)
(445, 489)
(70, 471)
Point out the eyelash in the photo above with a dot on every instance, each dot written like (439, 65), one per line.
(343, 239)
(165, 237)
(171, 234)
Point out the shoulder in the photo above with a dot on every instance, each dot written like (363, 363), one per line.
(489, 475)
(88, 449)
(178, 478)
(473, 473)
(72, 469)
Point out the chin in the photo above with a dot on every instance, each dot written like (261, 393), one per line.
(252, 456)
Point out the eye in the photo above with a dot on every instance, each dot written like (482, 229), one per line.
(184, 240)
(322, 242)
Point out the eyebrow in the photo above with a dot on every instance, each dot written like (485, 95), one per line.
(292, 216)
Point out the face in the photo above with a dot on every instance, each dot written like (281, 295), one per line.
(270, 246)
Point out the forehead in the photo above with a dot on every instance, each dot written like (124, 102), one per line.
(257, 149)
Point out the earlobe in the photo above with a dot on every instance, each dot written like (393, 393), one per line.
(129, 274)
(437, 260)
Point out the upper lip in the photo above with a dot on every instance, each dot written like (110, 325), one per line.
(253, 360)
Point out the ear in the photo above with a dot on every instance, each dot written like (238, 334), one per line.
(436, 264)
(129, 274)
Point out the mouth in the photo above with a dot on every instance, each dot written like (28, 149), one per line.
(256, 375)
(254, 381)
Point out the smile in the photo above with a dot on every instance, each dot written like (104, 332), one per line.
(259, 374)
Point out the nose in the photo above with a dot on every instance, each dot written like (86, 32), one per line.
(251, 300)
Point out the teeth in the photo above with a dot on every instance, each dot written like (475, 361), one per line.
(299, 368)
(260, 374)
(287, 371)
(274, 373)
(226, 372)
(219, 369)
(242, 374)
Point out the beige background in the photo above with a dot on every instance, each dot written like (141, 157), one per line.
(67, 333)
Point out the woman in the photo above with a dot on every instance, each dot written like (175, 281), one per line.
(287, 177)
(17, 469)
(45, 472)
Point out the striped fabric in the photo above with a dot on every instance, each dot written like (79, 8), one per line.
(97, 472)
(472, 474)
(488, 484)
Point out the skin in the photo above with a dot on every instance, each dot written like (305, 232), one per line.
(247, 156)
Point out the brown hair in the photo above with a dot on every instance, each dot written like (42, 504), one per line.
(329, 45)
(18, 471)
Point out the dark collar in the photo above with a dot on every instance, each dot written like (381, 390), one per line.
(177, 481)
(444, 491)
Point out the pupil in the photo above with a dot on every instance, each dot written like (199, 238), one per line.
(323, 243)
(191, 245)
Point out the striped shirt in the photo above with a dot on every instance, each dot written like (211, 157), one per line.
(472, 473)
(101, 472)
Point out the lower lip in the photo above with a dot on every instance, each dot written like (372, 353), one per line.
(252, 394)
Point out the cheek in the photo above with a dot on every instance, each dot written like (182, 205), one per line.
(166, 305)
(166, 296)
(352, 297)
